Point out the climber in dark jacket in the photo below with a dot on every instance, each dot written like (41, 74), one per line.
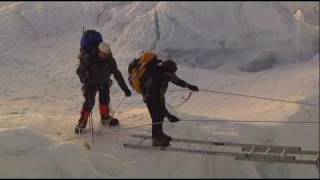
(94, 71)
(153, 92)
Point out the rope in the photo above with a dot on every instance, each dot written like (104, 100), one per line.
(116, 130)
(118, 107)
(191, 120)
(113, 113)
(235, 121)
(248, 96)
(135, 127)
(185, 99)
(223, 121)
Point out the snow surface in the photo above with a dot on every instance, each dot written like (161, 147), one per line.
(257, 48)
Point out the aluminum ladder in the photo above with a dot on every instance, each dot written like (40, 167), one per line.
(249, 152)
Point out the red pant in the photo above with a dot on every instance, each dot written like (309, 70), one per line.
(89, 93)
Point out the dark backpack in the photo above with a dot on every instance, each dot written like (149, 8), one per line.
(90, 40)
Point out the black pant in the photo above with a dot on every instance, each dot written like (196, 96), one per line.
(158, 111)
(89, 93)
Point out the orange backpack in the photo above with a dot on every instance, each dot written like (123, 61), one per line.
(137, 70)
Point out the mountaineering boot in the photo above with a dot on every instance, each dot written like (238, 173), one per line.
(82, 123)
(114, 122)
(111, 121)
(169, 138)
(160, 141)
(158, 138)
(106, 118)
(172, 118)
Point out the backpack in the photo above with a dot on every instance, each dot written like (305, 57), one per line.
(90, 40)
(139, 69)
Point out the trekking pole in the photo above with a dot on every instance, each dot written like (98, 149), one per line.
(91, 124)
(90, 115)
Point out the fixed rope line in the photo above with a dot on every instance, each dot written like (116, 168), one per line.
(117, 130)
(113, 113)
(249, 96)
(191, 120)
(236, 121)
(222, 121)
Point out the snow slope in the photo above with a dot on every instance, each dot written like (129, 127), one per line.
(254, 48)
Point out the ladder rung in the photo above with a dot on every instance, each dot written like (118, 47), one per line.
(260, 157)
(236, 149)
(252, 149)
(310, 152)
(141, 141)
(273, 149)
(222, 148)
(283, 152)
(267, 151)
(317, 157)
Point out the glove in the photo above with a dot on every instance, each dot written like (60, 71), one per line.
(127, 92)
(192, 87)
